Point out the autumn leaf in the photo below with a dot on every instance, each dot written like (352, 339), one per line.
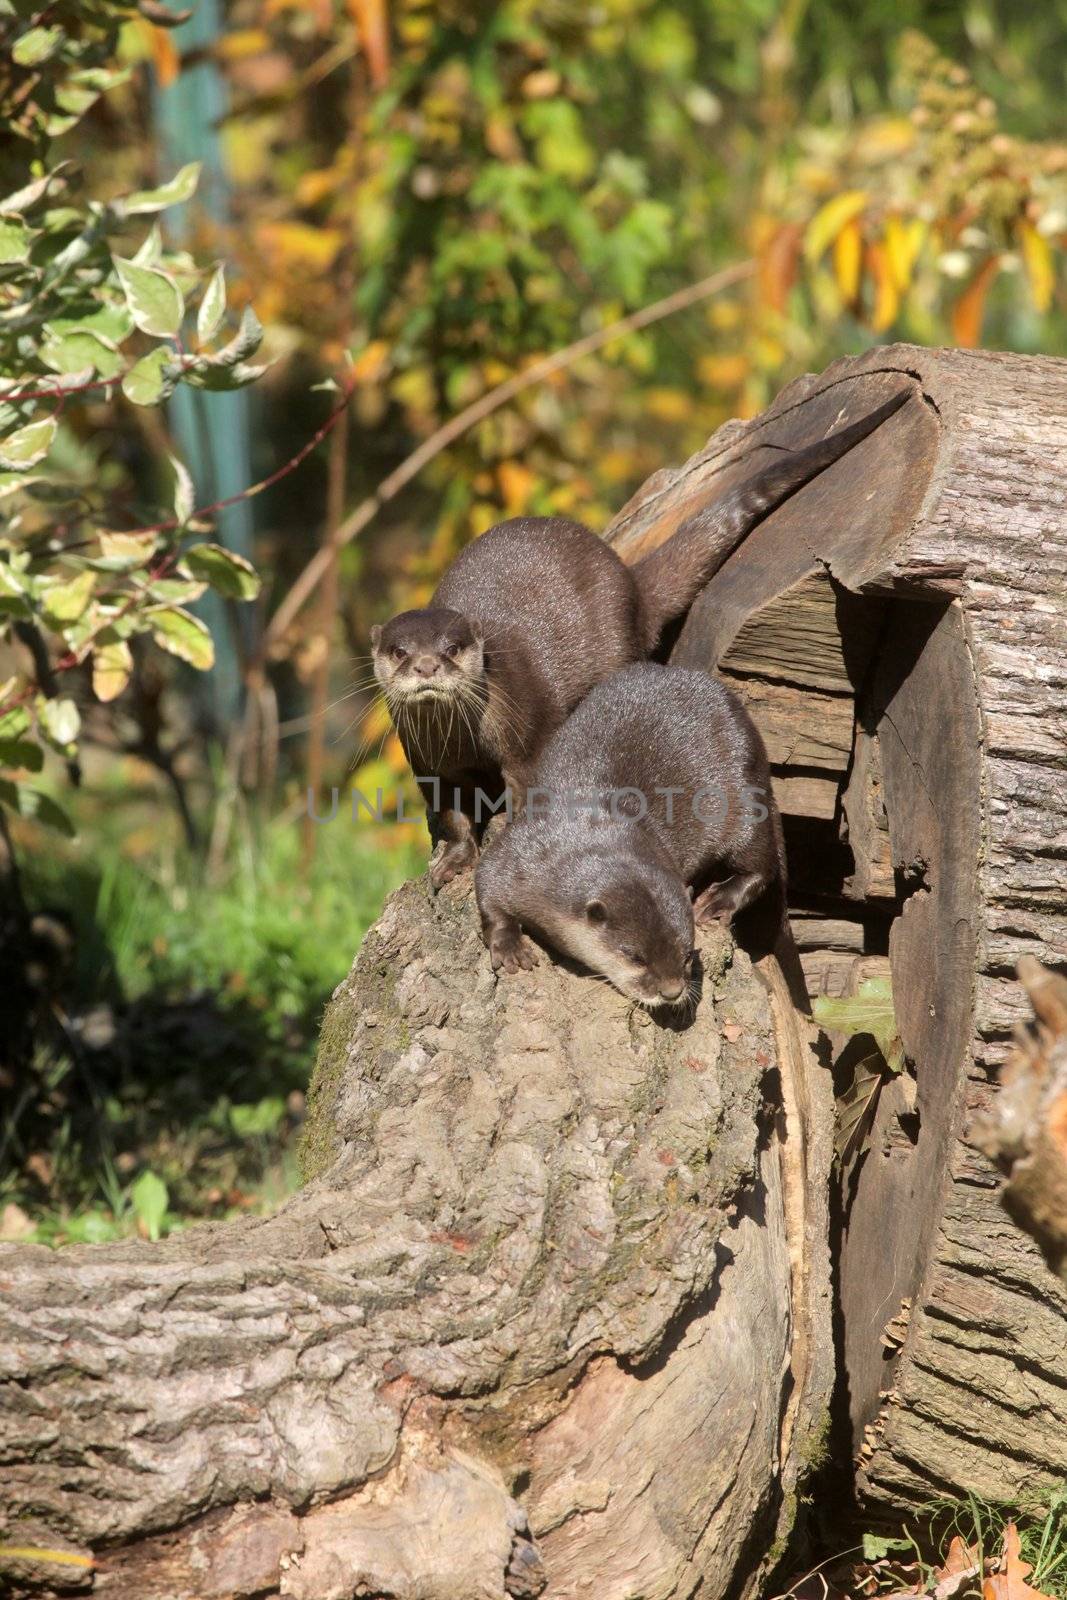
(848, 261)
(903, 241)
(828, 221)
(886, 288)
(961, 1563)
(967, 312)
(1010, 1582)
(1037, 259)
(372, 20)
(777, 266)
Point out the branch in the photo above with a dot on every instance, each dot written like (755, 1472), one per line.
(306, 584)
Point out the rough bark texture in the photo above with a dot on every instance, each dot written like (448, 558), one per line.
(939, 549)
(532, 1323)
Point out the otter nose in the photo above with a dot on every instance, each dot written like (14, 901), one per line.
(426, 666)
(671, 989)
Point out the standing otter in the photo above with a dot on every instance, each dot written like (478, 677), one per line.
(528, 618)
(650, 810)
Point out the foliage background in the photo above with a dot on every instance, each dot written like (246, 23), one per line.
(420, 200)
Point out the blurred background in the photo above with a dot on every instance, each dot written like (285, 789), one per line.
(422, 202)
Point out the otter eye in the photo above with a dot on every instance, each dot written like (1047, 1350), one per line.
(452, 651)
(690, 961)
(632, 955)
(596, 911)
(397, 653)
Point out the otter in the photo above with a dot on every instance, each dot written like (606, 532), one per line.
(650, 811)
(527, 619)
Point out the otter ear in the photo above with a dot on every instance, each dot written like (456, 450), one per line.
(376, 635)
(596, 911)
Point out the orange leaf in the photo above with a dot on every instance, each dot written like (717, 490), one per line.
(967, 312)
(848, 261)
(778, 265)
(961, 1563)
(372, 20)
(886, 294)
(164, 53)
(1010, 1582)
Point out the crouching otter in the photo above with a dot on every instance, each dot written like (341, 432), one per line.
(649, 811)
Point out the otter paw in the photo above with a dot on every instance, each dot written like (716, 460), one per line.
(509, 952)
(453, 859)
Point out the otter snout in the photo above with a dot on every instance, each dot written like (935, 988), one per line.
(672, 989)
(426, 666)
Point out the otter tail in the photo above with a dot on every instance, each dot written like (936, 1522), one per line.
(670, 579)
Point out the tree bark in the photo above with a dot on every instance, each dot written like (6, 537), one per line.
(553, 1309)
(920, 590)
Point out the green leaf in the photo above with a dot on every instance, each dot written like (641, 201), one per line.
(16, 753)
(154, 299)
(218, 379)
(181, 187)
(245, 342)
(60, 720)
(184, 492)
(15, 240)
(875, 1548)
(35, 806)
(869, 1010)
(81, 351)
(36, 45)
(184, 635)
(127, 549)
(176, 591)
(26, 446)
(153, 378)
(14, 723)
(212, 307)
(258, 1118)
(65, 602)
(148, 1197)
(112, 667)
(229, 574)
(151, 251)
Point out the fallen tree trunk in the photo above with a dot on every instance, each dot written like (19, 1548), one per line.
(900, 632)
(554, 1311)
(532, 1322)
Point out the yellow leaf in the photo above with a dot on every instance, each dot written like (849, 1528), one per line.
(723, 372)
(883, 139)
(1040, 270)
(848, 261)
(297, 244)
(967, 312)
(669, 405)
(828, 221)
(243, 42)
(516, 486)
(903, 241)
(371, 363)
(886, 294)
(112, 666)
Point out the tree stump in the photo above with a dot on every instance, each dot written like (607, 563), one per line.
(551, 1310)
(899, 631)
(555, 1312)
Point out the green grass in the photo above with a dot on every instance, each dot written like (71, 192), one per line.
(179, 1035)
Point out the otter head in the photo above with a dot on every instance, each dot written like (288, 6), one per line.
(636, 928)
(427, 655)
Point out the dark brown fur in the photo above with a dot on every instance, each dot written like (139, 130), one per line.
(693, 835)
(529, 618)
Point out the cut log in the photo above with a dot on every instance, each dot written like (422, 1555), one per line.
(942, 539)
(554, 1309)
